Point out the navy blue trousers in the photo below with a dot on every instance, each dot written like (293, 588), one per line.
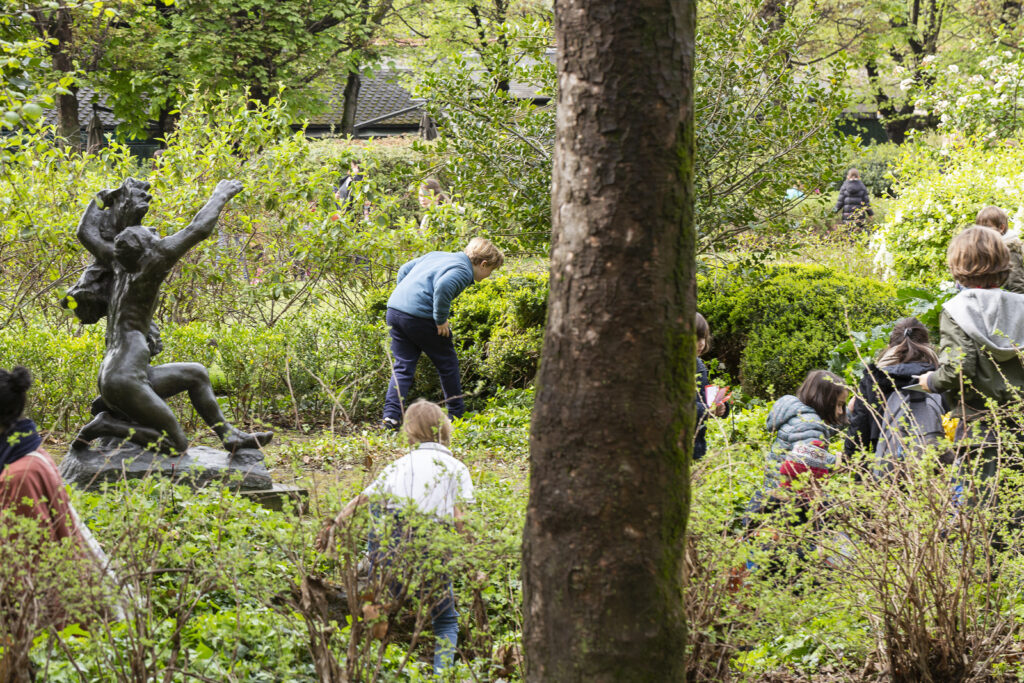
(410, 337)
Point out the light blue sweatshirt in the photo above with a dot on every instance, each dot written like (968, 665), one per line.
(428, 284)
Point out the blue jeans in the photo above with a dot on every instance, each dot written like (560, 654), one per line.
(410, 337)
(443, 615)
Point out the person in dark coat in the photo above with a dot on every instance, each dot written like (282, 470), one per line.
(854, 201)
(908, 356)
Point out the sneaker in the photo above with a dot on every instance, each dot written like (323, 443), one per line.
(391, 424)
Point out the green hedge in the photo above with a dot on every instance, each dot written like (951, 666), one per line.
(770, 327)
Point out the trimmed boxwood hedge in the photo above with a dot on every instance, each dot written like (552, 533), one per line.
(771, 326)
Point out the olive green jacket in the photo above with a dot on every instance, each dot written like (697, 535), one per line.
(1015, 281)
(982, 349)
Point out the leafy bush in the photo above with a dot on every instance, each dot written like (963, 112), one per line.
(876, 164)
(501, 321)
(939, 192)
(772, 326)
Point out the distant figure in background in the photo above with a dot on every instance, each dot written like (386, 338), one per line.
(854, 201)
(343, 193)
(430, 194)
(995, 218)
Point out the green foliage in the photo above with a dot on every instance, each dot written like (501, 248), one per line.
(501, 326)
(25, 86)
(772, 326)
(939, 193)
(876, 164)
(979, 94)
(495, 150)
(762, 125)
(142, 59)
(849, 358)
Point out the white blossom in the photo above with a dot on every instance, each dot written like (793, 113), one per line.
(953, 68)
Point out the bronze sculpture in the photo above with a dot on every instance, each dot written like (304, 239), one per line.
(123, 283)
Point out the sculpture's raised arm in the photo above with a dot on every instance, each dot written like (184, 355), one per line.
(201, 227)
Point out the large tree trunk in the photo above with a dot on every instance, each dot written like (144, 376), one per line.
(613, 422)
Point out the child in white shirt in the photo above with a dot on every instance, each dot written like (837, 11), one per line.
(429, 480)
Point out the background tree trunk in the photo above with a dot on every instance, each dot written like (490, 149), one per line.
(614, 415)
(69, 126)
(348, 112)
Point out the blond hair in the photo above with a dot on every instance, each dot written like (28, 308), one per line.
(977, 257)
(993, 217)
(483, 252)
(853, 174)
(425, 422)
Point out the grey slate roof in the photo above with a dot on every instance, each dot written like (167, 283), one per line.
(378, 96)
(85, 98)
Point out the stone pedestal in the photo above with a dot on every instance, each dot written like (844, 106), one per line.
(199, 466)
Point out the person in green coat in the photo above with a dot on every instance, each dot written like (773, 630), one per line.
(982, 336)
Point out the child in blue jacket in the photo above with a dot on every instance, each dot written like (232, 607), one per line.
(418, 320)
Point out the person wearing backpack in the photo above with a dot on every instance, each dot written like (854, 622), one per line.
(911, 423)
(879, 401)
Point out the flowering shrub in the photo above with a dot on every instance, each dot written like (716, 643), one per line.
(939, 192)
(985, 98)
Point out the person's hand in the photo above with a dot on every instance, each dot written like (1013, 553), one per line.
(229, 188)
(444, 330)
(325, 539)
(923, 381)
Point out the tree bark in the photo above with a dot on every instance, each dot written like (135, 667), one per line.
(348, 112)
(613, 421)
(67, 105)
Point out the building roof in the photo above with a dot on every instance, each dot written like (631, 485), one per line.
(85, 99)
(379, 96)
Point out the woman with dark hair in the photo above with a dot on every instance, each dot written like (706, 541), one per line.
(29, 481)
(908, 355)
(51, 582)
